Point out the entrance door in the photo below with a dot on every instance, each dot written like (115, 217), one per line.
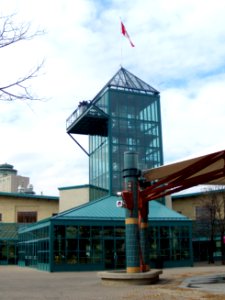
(109, 254)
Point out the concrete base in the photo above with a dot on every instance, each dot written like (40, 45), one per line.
(124, 278)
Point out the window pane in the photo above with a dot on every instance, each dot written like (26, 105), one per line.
(84, 231)
(71, 232)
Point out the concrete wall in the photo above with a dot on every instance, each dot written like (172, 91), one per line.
(186, 206)
(73, 196)
(9, 206)
(10, 183)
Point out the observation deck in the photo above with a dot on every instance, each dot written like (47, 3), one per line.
(87, 119)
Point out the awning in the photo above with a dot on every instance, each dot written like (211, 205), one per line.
(171, 178)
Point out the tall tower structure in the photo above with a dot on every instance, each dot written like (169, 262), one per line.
(125, 115)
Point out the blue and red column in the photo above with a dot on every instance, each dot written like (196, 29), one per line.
(136, 221)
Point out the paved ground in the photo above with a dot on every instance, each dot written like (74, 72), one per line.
(29, 284)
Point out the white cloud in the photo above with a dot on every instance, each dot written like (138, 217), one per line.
(179, 50)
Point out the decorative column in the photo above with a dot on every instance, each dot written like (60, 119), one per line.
(130, 175)
(143, 231)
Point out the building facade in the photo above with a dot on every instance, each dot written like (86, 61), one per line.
(206, 210)
(17, 210)
(92, 237)
(26, 208)
(125, 115)
(11, 182)
(73, 196)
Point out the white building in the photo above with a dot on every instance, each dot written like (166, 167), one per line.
(11, 182)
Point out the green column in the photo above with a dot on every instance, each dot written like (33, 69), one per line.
(131, 174)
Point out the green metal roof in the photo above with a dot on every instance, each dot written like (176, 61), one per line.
(9, 231)
(125, 80)
(37, 225)
(106, 208)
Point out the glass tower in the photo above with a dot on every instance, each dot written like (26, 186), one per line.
(125, 115)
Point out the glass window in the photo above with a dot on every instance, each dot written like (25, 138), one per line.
(26, 217)
(164, 232)
(84, 231)
(119, 255)
(97, 251)
(120, 231)
(96, 231)
(72, 251)
(202, 213)
(71, 232)
(84, 251)
(59, 231)
(108, 231)
(185, 231)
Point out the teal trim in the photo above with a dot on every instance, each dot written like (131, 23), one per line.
(29, 196)
(74, 187)
(41, 224)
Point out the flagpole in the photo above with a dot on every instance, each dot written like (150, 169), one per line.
(121, 54)
(121, 46)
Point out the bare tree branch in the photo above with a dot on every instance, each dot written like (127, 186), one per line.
(11, 34)
(19, 90)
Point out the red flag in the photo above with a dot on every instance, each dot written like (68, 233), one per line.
(125, 33)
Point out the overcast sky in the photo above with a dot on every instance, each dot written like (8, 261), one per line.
(179, 50)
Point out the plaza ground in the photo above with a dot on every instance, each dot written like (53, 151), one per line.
(28, 284)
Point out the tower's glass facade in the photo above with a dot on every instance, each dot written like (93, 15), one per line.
(134, 124)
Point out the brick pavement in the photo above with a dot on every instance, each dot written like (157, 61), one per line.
(30, 284)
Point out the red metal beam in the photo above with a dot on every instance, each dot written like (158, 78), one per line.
(186, 177)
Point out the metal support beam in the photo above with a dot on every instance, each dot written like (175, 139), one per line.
(79, 144)
(202, 171)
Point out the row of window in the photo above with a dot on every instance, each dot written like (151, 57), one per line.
(71, 232)
(24, 216)
(81, 244)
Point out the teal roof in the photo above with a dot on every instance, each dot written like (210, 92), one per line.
(29, 226)
(9, 231)
(106, 209)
